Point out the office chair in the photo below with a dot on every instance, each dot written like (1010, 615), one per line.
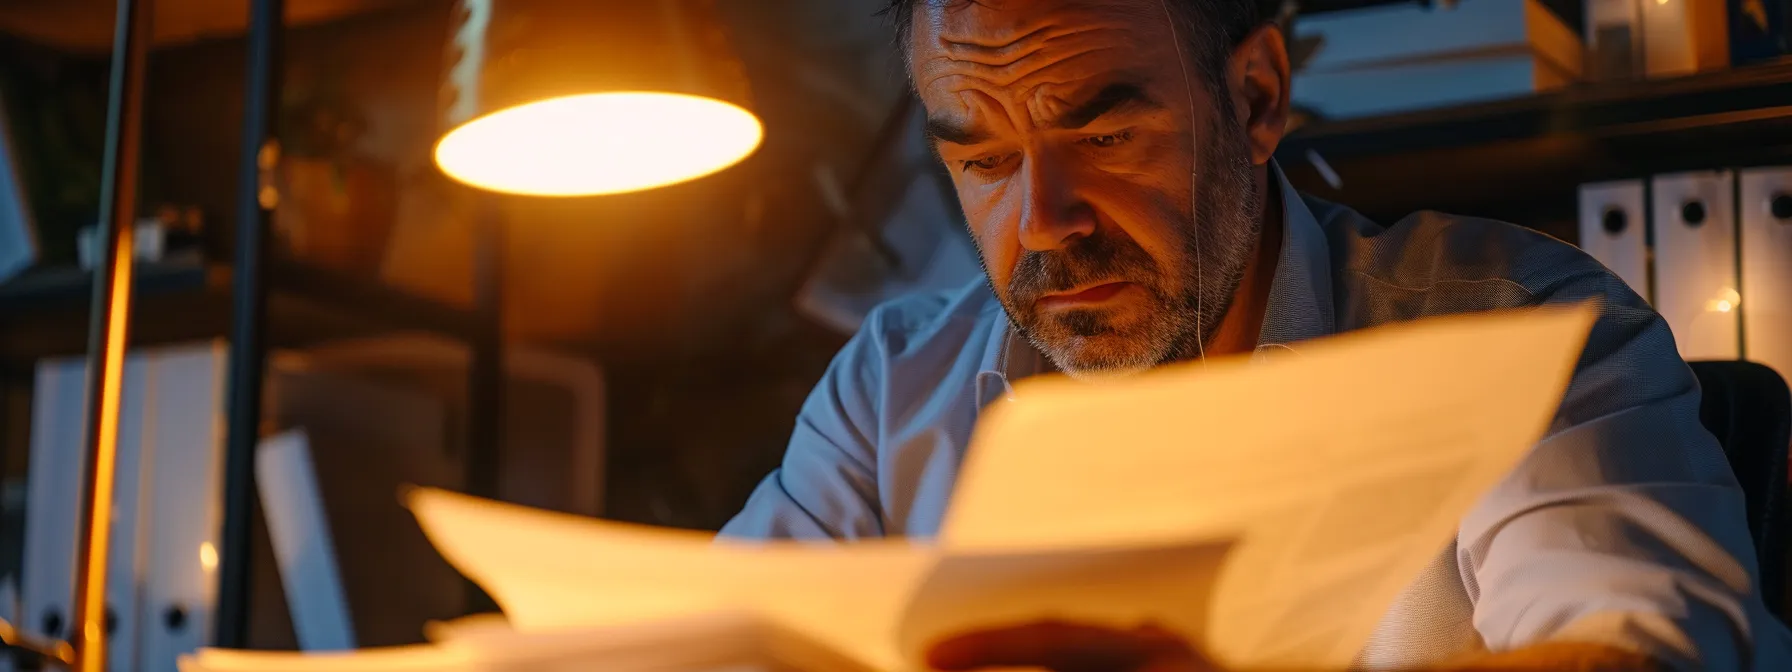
(1748, 408)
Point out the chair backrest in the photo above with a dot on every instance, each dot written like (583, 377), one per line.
(1748, 408)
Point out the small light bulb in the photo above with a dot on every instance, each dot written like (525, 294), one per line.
(208, 556)
(1724, 306)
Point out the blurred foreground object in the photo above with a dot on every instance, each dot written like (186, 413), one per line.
(578, 98)
(1298, 534)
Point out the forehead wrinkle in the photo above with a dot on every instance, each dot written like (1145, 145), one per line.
(1039, 103)
(1043, 39)
(1045, 106)
(1040, 42)
(981, 41)
(972, 102)
(1016, 73)
(1013, 72)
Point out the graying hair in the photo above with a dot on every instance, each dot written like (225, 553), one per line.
(1211, 29)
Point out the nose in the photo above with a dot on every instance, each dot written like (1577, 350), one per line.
(1054, 215)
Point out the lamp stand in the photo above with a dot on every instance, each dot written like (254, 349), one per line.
(108, 329)
(257, 196)
(107, 333)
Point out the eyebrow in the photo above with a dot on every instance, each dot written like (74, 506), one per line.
(948, 131)
(1112, 98)
(1119, 97)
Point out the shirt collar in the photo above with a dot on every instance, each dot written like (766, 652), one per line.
(1300, 295)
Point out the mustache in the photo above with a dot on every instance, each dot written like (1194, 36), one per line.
(1099, 257)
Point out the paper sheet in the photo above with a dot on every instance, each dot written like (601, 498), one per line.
(1168, 586)
(554, 571)
(1269, 511)
(715, 642)
(416, 658)
(1344, 468)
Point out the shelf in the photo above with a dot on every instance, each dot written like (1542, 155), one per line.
(46, 311)
(1475, 157)
(1628, 108)
(86, 25)
(1310, 7)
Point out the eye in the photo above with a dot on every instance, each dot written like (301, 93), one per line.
(985, 164)
(1109, 140)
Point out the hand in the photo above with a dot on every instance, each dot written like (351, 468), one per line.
(1068, 647)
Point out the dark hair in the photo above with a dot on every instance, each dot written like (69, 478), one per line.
(1209, 29)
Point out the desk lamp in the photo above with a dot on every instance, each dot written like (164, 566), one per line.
(551, 98)
(578, 98)
(564, 98)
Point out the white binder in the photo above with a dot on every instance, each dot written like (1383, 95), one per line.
(53, 504)
(1696, 284)
(165, 510)
(1764, 203)
(182, 506)
(1613, 229)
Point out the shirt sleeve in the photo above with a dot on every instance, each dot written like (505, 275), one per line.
(827, 484)
(1625, 526)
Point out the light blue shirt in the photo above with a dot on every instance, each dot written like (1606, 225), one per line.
(1623, 526)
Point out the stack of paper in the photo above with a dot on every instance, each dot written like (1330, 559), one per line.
(1268, 512)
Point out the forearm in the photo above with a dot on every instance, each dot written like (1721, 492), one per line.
(1555, 657)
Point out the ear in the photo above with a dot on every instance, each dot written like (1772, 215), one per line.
(1258, 74)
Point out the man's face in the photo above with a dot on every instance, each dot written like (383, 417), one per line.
(1070, 130)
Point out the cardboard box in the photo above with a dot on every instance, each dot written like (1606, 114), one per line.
(1395, 58)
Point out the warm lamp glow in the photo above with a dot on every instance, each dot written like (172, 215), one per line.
(1726, 301)
(600, 143)
(208, 556)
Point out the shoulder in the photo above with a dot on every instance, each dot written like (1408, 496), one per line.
(914, 324)
(1431, 263)
(916, 346)
(1454, 263)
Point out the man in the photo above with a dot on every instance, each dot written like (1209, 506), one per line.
(1072, 129)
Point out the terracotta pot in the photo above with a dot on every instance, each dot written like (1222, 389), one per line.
(336, 213)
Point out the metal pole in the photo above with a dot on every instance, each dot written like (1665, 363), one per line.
(485, 380)
(485, 373)
(256, 198)
(108, 327)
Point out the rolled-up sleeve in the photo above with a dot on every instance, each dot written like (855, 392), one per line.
(827, 484)
(1625, 525)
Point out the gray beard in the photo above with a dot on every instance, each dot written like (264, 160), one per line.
(1229, 222)
(1217, 246)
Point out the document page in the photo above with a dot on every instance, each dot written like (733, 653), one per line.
(1168, 585)
(715, 642)
(1270, 511)
(552, 571)
(877, 603)
(1342, 468)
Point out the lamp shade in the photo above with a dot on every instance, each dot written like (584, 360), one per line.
(587, 97)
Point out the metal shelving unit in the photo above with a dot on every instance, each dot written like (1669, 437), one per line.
(46, 310)
(258, 302)
(1502, 158)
